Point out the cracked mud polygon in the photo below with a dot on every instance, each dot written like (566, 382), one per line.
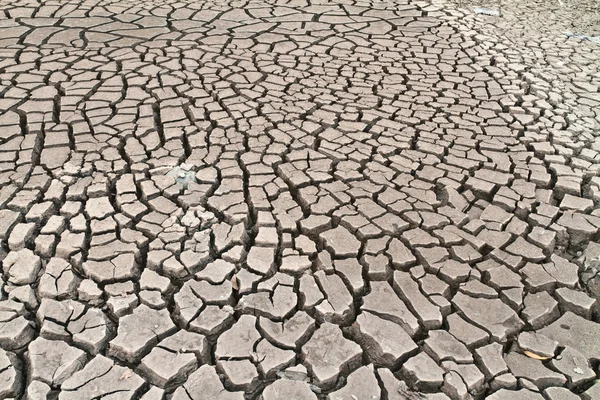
(350, 200)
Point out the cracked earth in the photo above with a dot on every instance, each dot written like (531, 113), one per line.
(350, 200)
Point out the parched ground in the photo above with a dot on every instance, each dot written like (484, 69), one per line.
(341, 200)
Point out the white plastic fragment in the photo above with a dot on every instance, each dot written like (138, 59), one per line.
(486, 11)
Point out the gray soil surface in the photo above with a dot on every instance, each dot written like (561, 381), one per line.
(312, 200)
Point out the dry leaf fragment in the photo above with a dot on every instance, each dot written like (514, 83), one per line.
(126, 375)
(234, 282)
(535, 356)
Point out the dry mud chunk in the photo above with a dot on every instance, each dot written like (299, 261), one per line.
(386, 343)
(174, 359)
(16, 331)
(338, 305)
(540, 309)
(341, 242)
(21, 267)
(522, 394)
(423, 372)
(239, 340)
(442, 346)
(398, 390)
(286, 389)
(574, 366)
(273, 359)
(100, 378)
(491, 315)
(383, 302)
(121, 267)
(58, 280)
(429, 314)
(362, 384)
(54, 361)
(291, 333)
(328, 354)
(533, 370)
(576, 332)
(10, 375)
(537, 344)
(276, 305)
(401, 256)
(205, 384)
(239, 374)
(139, 331)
